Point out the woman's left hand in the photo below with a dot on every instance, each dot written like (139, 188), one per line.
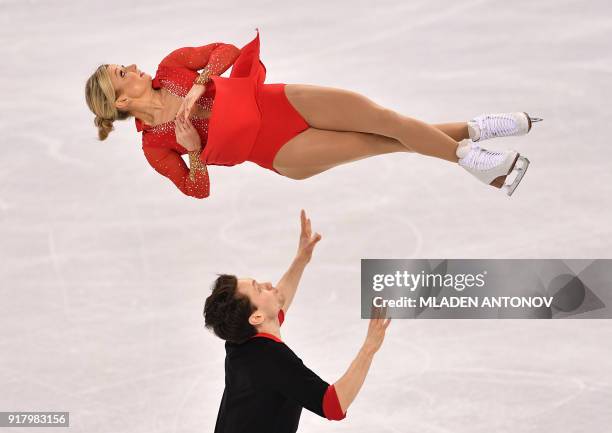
(187, 136)
(186, 107)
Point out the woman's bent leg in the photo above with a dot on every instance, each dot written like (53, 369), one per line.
(316, 150)
(343, 110)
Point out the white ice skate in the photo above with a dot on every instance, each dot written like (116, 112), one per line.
(494, 167)
(488, 126)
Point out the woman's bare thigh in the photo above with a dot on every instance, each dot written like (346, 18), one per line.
(316, 150)
(345, 110)
(338, 109)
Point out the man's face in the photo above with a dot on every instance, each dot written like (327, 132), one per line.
(266, 299)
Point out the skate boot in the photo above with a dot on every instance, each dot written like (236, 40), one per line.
(493, 167)
(488, 126)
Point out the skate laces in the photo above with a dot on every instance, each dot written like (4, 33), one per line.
(496, 125)
(481, 159)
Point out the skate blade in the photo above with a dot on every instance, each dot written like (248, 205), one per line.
(519, 170)
(500, 181)
(531, 120)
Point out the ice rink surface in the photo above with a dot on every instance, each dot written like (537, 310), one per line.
(105, 265)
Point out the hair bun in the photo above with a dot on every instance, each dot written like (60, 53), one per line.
(101, 122)
(104, 126)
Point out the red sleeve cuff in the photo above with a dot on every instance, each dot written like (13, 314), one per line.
(331, 405)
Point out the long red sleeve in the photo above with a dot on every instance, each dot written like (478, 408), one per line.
(169, 163)
(216, 57)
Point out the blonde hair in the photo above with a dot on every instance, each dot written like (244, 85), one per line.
(100, 97)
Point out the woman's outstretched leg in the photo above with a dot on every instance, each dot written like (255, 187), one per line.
(344, 110)
(337, 110)
(316, 150)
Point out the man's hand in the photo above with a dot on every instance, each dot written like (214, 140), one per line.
(376, 330)
(307, 240)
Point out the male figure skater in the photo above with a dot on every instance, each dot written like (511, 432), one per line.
(266, 384)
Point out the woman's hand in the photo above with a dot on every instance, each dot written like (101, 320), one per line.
(186, 135)
(307, 241)
(186, 107)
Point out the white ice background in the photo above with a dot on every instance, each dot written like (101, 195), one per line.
(104, 264)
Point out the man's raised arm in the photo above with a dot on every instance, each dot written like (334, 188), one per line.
(290, 280)
(348, 386)
(290, 377)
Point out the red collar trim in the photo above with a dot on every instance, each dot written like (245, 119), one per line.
(139, 124)
(266, 335)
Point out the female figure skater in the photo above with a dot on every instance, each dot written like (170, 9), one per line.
(296, 130)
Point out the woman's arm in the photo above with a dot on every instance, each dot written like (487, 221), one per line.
(216, 58)
(192, 181)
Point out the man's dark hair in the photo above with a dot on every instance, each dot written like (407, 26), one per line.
(226, 311)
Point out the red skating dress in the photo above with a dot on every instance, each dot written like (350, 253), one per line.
(249, 120)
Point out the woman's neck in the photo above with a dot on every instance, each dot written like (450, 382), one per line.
(148, 107)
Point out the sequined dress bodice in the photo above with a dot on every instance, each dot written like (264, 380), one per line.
(226, 118)
(163, 134)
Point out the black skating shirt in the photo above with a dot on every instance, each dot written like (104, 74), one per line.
(266, 387)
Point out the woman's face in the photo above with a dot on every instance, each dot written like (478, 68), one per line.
(129, 83)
